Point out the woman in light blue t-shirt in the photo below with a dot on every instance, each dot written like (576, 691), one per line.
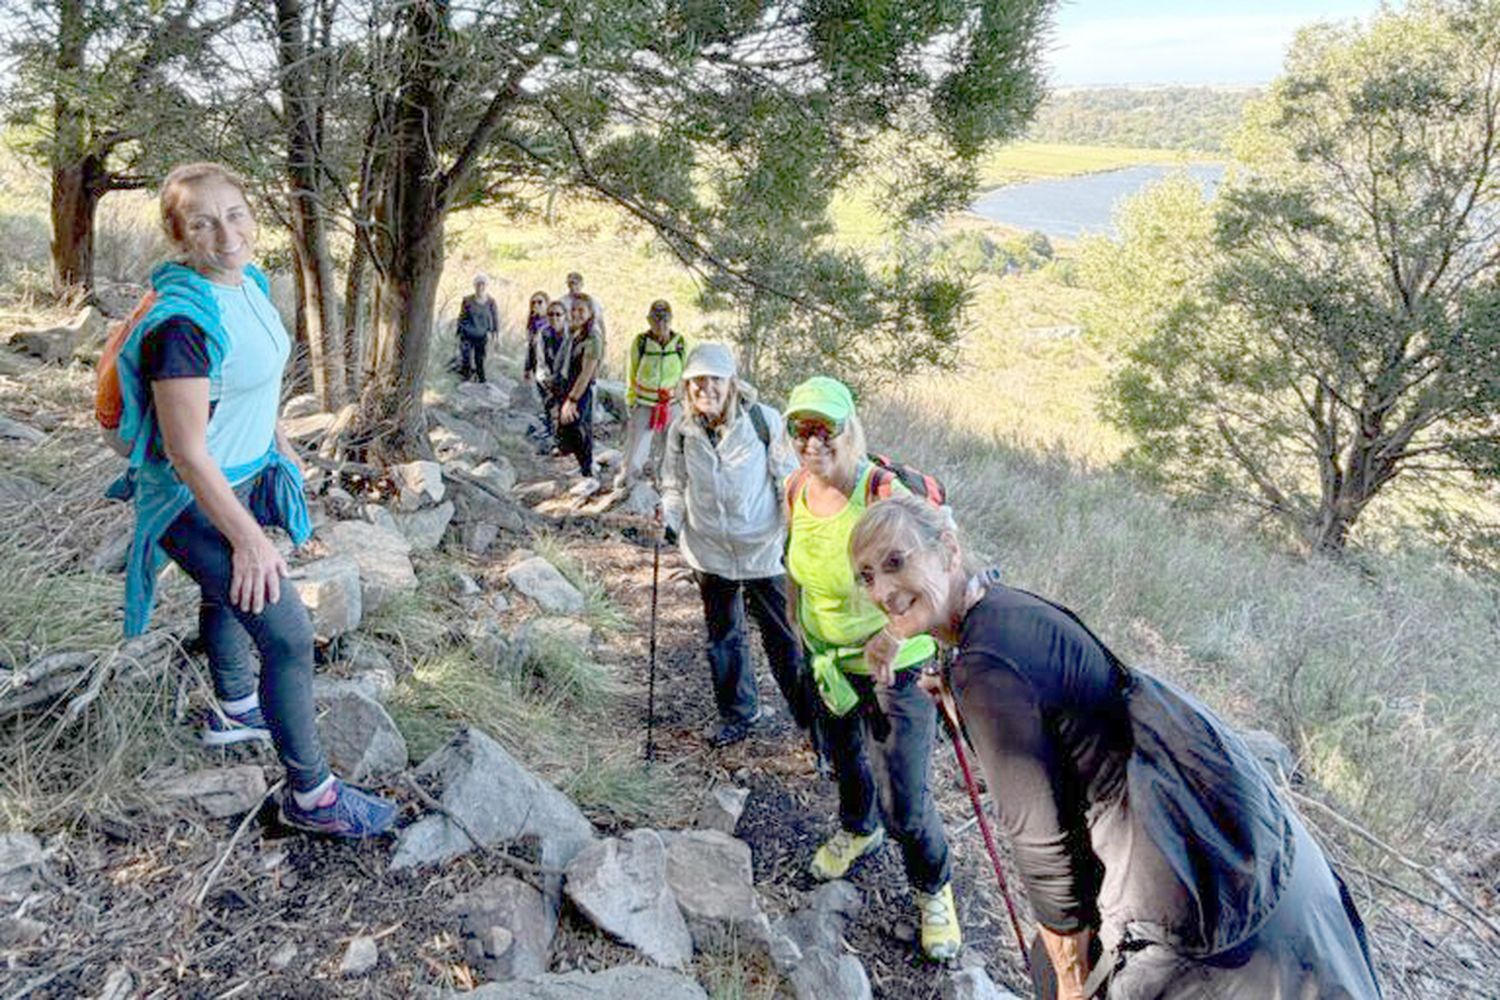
(215, 471)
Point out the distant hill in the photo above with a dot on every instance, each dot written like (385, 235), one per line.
(1189, 118)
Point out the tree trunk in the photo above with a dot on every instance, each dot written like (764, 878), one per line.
(75, 174)
(75, 195)
(356, 325)
(409, 229)
(325, 330)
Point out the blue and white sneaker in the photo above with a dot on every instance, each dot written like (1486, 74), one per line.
(222, 729)
(354, 814)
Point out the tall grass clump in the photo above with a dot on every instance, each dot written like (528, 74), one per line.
(1378, 677)
(598, 610)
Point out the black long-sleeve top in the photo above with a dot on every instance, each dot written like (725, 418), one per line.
(1046, 710)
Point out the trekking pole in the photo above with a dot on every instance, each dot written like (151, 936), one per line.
(651, 674)
(950, 720)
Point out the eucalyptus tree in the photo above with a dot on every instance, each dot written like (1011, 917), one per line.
(1340, 333)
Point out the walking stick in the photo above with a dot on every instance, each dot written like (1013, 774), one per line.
(950, 720)
(651, 675)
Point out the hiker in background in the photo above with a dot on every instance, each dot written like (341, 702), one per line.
(866, 677)
(200, 376)
(653, 369)
(573, 386)
(1142, 825)
(574, 293)
(478, 320)
(726, 457)
(546, 326)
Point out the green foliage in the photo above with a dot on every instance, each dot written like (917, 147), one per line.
(1188, 118)
(1338, 336)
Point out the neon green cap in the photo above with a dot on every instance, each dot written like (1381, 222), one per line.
(824, 396)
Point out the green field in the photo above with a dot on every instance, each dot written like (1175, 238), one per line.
(1031, 160)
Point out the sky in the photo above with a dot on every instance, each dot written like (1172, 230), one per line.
(1098, 42)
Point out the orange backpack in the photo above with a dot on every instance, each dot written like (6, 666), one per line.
(109, 402)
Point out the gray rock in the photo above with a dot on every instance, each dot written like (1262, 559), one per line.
(471, 506)
(551, 630)
(119, 984)
(420, 484)
(309, 428)
(478, 536)
(301, 405)
(363, 655)
(20, 932)
(491, 644)
(424, 528)
(118, 300)
(822, 975)
(56, 344)
(377, 515)
(974, 984)
(610, 395)
(1278, 760)
(623, 982)
(217, 791)
(818, 927)
(543, 583)
(14, 430)
(497, 798)
(710, 875)
(497, 473)
(621, 885)
(283, 956)
(466, 585)
(641, 501)
(375, 683)
(385, 568)
(361, 740)
(610, 458)
(507, 928)
(13, 364)
(456, 438)
(723, 809)
(481, 398)
(537, 492)
(330, 588)
(340, 503)
(838, 897)
(360, 957)
(23, 866)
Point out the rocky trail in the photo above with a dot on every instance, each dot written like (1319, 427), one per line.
(170, 875)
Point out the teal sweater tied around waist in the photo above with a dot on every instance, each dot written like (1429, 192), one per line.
(160, 494)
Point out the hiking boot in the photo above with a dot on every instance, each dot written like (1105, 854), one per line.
(352, 815)
(730, 733)
(834, 858)
(941, 938)
(222, 729)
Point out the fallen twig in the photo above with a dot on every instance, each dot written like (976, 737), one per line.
(233, 840)
(1423, 870)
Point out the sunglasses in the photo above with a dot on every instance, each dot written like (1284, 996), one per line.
(802, 428)
(557, 314)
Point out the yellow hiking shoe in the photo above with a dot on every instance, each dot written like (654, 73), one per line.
(941, 938)
(842, 850)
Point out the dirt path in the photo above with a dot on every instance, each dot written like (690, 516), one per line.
(790, 810)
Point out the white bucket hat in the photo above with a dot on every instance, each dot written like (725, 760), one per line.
(709, 359)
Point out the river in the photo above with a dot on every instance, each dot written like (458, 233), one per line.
(1068, 207)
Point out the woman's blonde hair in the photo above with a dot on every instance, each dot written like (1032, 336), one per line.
(174, 188)
(903, 521)
(853, 447)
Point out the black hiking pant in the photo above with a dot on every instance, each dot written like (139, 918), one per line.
(735, 690)
(577, 438)
(898, 722)
(471, 356)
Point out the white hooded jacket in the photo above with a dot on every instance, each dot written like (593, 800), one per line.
(724, 500)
